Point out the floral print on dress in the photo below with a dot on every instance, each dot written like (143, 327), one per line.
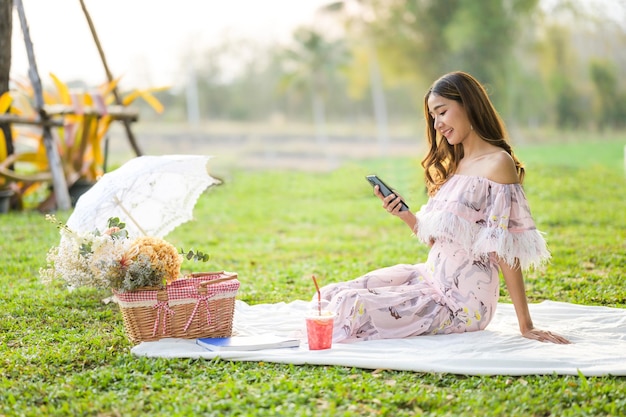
(472, 223)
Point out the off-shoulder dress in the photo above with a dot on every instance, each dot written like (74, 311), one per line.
(472, 223)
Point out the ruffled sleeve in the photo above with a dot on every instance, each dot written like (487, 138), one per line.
(510, 230)
(484, 217)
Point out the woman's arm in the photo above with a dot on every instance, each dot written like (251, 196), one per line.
(515, 285)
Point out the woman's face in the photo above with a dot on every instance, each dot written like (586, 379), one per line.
(449, 118)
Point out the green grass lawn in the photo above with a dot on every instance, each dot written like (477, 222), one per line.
(65, 353)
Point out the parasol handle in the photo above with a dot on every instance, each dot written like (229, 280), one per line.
(119, 203)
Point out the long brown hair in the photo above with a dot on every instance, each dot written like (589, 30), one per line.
(442, 158)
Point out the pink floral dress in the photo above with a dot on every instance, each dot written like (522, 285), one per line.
(472, 221)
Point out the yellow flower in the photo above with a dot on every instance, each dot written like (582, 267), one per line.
(163, 255)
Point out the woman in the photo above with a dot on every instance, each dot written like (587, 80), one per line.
(477, 222)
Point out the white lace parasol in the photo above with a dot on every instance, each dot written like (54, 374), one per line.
(151, 194)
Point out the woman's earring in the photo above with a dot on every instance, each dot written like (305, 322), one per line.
(471, 127)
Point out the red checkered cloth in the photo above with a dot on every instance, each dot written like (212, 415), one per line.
(184, 290)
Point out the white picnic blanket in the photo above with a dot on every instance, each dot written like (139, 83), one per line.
(598, 335)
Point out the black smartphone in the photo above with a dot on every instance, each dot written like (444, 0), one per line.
(384, 189)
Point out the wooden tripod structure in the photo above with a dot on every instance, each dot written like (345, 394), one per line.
(118, 100)
(46, 115)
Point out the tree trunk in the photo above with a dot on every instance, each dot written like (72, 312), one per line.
(6, 29)
(379, 102)
(319, 119)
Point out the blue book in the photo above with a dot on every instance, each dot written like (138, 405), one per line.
(256, 342)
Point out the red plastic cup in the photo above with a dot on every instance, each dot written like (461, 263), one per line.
(319, 329)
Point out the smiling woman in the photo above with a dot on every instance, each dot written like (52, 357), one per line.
(463, 127)
(477, 223)
(146, 40)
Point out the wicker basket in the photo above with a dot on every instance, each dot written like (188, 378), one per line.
(198, 305)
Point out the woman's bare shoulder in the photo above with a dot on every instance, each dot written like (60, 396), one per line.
(501, 168)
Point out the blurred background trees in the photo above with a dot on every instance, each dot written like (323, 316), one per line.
(546, 63)
(354, 76)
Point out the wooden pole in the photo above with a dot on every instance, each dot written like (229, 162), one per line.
(61, 193)
(118, 100)
(6, 29)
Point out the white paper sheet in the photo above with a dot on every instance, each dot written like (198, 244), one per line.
(598, 335)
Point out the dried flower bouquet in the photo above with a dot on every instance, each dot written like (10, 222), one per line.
(110, 259)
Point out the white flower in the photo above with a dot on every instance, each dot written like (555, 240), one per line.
(110, 259)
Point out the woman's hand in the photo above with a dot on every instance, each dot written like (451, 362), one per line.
(392, 203)
(545, 336)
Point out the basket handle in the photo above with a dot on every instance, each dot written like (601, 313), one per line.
(201, 274)
(162, 295)
(217, 281)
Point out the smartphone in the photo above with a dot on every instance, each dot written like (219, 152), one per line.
(384, 189)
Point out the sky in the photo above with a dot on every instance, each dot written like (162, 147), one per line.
(144, 40)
